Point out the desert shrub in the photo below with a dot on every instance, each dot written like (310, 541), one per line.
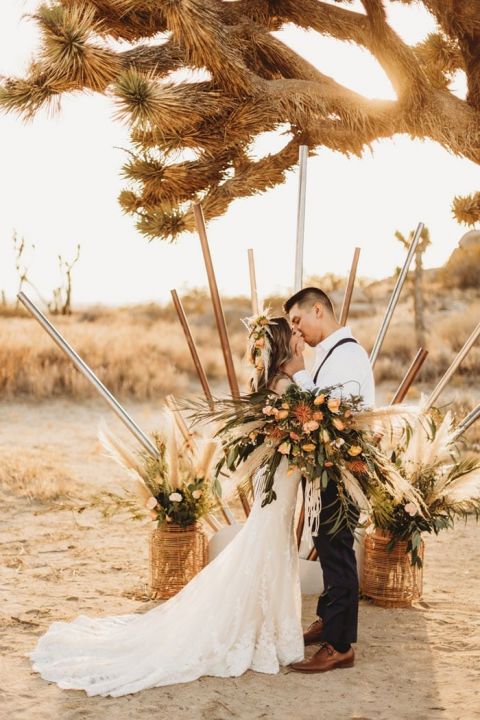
(34, 474)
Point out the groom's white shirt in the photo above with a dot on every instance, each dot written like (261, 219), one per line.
(348, 366)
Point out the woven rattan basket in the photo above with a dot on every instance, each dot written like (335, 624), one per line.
(176, 555)
(389, 578)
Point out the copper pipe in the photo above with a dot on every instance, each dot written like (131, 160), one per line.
(410, 376)
(192, 347)
(349, 289)
(253, 283)
(217, 305)
(313, 554)
(244, 501)
(453, 367)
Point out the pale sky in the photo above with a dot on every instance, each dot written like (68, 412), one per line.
(60, 177)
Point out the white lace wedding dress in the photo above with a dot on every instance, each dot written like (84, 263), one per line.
(241, 612)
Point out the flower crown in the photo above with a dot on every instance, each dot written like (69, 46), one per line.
(259, 345)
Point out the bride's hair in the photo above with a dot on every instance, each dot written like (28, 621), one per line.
(279, 336)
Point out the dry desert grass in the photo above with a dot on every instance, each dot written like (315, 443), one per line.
(140, 352)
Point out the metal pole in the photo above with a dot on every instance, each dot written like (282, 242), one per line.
(192, 347)
(453, 367)
(410, 376)
(217, 305)
(349, 289)
(88, 374)
(395, 295)
(467, 421)
(302, 192)
(253, 283)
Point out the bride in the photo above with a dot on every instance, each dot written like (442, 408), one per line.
(242, 611)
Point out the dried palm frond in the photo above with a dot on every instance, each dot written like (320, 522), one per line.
(172, 456)
(205, 457)
(389, 421)
(117, 450)
(354, 489)
(428, 445)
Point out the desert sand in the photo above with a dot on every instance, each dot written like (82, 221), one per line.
(412, 664)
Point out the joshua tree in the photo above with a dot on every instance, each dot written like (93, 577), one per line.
(62, 295)
(191, 138)
(418, 300)
(21, 249)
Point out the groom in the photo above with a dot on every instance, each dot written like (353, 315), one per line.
(339, 360)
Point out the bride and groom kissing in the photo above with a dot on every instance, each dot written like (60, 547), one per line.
(243, 610)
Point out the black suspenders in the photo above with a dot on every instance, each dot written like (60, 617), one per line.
(340, 342)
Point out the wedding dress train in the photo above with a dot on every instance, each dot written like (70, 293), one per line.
(242, 611)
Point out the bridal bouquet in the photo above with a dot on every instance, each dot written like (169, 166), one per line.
(448, 485)
(325, 437)
(177, 486)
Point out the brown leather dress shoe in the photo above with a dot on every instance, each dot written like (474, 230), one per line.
(313, 634)
(327, 658)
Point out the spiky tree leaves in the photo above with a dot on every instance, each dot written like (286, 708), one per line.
(191, 138)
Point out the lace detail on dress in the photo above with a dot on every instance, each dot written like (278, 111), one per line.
(241, 612)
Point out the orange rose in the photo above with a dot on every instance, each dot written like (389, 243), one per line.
(294, 436)
(334, 405)
(354, 450)
(338, 424)
(308, 447)
(319, 400)
(282, 414)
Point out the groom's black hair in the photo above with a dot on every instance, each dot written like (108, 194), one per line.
(309, 295)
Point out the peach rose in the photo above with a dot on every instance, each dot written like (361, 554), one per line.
(338, 424)
(284, 448)
(151, 503)
(319, 400)
(309, 447)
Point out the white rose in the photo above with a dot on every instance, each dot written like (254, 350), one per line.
(411, 508)
(175, 497)
(196, 494)
(151, 503)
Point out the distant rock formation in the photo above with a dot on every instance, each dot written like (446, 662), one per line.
(471, 238)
